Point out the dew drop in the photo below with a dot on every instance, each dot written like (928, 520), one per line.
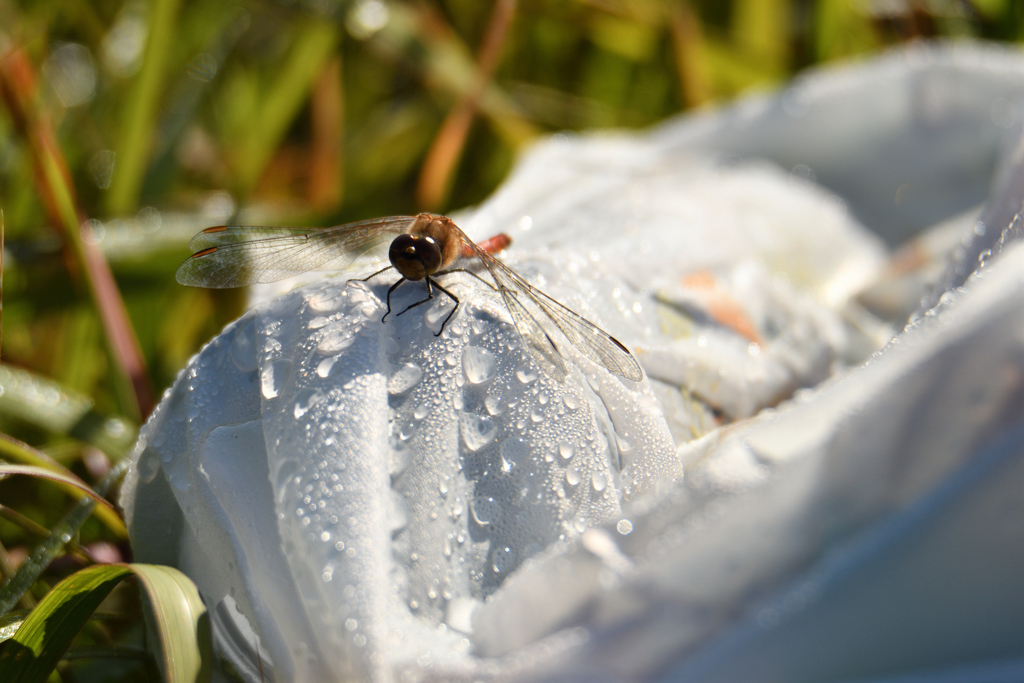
(306, 399)
(327, 299)
(537, 415)
(422, 410)
(148, 465)
(404, 379)
(286, 471)
(243, 348)
(479, 364)
(599, 481)
(318, 322)
(324, 367)
(503, 559)
(494, 404)
(485, 510)
(566, 449)
(274, 376)
(573, 476)
(337, 338)
(477, 430)
(514, 451)
(526, 373)
(624, 527)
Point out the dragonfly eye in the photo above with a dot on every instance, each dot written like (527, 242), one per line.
(415, 257)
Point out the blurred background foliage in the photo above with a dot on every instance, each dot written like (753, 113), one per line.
(127, 126)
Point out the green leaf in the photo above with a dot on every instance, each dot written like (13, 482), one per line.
(47, 632)
(68, 481)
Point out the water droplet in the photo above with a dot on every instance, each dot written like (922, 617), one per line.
(148, 465)
(477, 430)
(494, 405)
(599, 480)
(336, 338)
(566, 449)
(404, 379)
(323, 369)
(243, 348)
(503, 559)
(327, 299)
(536, 414)
(573, 476)
(285, 472)
(479, 364)
(318, 322)
(422, 410)
(274, 376)
(351, 624)
(624, 527)
(544, 398)
(485, 510)
(526, 373)
(398, 459)
(580, 524)
(570, 401)
(306, 399)
(514, 451)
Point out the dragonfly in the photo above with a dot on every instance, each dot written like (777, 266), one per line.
(423, 247)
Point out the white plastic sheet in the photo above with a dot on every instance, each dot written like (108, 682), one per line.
(366, 501)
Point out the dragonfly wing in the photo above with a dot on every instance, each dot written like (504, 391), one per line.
(272, 254)
(594, 342)
(534, 338)
(232, 234)
(590, 339)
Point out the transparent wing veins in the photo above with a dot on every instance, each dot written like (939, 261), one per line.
(591, 340)
(236, 256)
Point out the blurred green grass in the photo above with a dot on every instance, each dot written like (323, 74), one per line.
(147, 121)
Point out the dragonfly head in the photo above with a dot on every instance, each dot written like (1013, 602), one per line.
(415, 257)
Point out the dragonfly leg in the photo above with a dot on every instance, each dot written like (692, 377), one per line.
(430, 296)
(370, 276)
(468, 272)
(391, 289)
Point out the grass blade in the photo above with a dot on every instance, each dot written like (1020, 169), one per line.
(72, 485)
(283, 100)
(47, 632)
(50, 548)
(140, 112)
